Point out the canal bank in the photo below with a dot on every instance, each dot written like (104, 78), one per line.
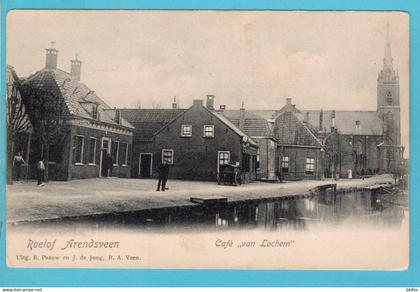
(101, 197)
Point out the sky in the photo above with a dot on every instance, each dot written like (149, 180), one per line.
(326, 60)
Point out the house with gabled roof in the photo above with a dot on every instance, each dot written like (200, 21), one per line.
(146, 123)
(301, 152)
(74, 129)
(195, 142)
(260, 130)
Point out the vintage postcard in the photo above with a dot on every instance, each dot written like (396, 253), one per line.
(208, 139)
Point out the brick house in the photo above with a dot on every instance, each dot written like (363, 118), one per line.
(301, 153)
(86, 127)
(146, 123)
(256, 126)
(195, 142)
(351, 140)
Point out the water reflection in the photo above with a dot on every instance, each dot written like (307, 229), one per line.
(323, 210)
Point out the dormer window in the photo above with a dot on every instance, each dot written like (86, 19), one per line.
(358, 127)
(95, 113)
(92, 108)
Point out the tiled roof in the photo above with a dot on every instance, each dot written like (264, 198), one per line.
(73, 92)
(147, 122)
(232, 126)
(255, 122)
(345, 121)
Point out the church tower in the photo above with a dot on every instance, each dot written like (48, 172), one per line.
(388, 94)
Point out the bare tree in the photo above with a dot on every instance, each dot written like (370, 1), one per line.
(17, 121)
(47, 111)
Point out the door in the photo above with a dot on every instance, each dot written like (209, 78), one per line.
(145, 165)
(105, 149)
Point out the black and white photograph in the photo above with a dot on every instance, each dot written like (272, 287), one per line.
(208, 139)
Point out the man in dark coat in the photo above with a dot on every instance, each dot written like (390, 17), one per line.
(163, 172)
(108, 164)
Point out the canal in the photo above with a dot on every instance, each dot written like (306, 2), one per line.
(320, 211)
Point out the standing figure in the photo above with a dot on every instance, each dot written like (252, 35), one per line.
(40, 169)
(108, 165)
(163, 172)
(18, 161)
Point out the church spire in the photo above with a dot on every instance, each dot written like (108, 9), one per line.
(388, 54)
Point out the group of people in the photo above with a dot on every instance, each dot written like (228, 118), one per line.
(18, 162)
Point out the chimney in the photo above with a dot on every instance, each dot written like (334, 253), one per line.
(242, 117)
(51, 57)
(210, 102)
(174, 104)
(321, 118)
(288, 101)
(197, 102)
(222, 107)
(117, 119)
(306, 118)
(332, 120)
(76, 68)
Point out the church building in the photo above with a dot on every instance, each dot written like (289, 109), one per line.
(314, 144)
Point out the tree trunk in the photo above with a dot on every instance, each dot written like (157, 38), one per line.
(10, 147)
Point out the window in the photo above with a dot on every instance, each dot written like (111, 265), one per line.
(92, 150)
(389, 100)
(124, 153)
(224, 157)
(310, 165)
(208, 131)
(357, 123)
(78, 144)
(168, 156)
(115, 150)
(186, 130)
(285, 164)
